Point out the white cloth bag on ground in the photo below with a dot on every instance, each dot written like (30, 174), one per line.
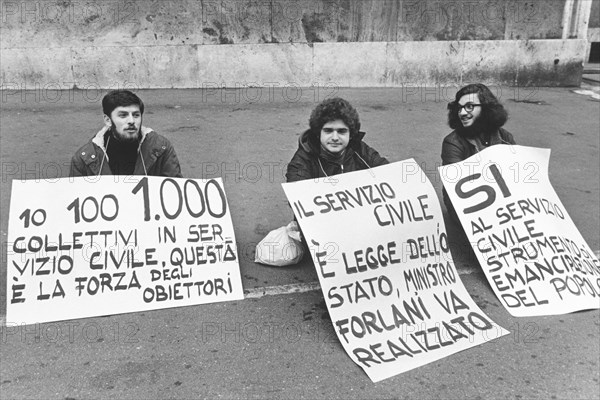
(281, 247)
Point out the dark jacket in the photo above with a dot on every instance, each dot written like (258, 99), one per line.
(156, 157)
(457, 148)
(307, 163)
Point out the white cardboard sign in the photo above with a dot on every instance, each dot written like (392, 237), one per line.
(83, 247)
(380, 248)
(534, 257)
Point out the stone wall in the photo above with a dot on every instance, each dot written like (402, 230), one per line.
(202, 43)
(595, 14)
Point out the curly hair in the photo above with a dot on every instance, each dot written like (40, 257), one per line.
(120, 98)
(331, 110)
(493, 114)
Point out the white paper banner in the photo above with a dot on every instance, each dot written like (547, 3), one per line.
(82, 247)
(534, 257)
(380, 248)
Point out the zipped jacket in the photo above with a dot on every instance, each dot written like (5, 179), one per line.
(155, 156)
(308, 163)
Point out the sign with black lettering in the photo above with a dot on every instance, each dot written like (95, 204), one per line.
(83, 247)
(534, 257)
(380, 248)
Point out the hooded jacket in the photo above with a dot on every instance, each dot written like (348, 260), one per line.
(457, 148)
(155, 157)
(308, 163)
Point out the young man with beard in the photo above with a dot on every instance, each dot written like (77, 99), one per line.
(477, 118)
(124, 146)
(333, 144)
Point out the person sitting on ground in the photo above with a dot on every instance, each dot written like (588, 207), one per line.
(477, 118)
(333, 144)
(124, 146)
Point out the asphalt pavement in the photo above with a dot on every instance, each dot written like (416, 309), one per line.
(279, 341)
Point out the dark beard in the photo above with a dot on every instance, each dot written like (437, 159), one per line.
(115, 136)
(478, 129)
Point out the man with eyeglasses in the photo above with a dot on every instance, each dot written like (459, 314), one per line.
(477, 118)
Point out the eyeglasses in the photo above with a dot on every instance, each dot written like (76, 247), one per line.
(469, 107)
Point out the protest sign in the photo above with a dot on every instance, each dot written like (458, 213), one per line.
(380, 249)
(534, 257)
(82, 247)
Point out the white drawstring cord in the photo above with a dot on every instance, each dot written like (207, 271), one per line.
(140, 152)
(368, 166)
(142, 158)
(322, 169)
(358, 155)
(104, 155)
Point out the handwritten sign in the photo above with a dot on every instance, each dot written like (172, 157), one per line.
(534, 257)
(381, 252)
(82, 247)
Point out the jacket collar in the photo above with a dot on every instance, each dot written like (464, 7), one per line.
(98, 140)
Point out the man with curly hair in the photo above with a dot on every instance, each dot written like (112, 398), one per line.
(333, 144)
(477, 118)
